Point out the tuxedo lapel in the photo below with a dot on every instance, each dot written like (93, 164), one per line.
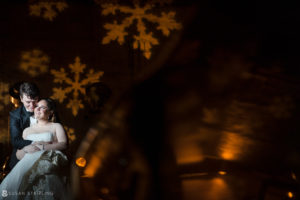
(25, 117)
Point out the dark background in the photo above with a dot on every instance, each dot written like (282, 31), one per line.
(222, 93)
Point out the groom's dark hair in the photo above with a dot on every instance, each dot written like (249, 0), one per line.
(29, 89)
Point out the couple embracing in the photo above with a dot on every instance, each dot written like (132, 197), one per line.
(37, 141)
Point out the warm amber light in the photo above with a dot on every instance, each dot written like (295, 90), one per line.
(104, 146)
(81, 162)
(4, 166)
(233, 146)
(188, 152)
(222, 172)
(294, 176)
(206, 188)
(93, 166)
(192, 175)
(290, 195)
(14, 101)
(104, 190)
(228, 155)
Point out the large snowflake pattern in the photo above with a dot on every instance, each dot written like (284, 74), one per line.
(47, 9)
(161, 2)
(143, 40)
(34, 62)
(74, 86)
(151, 2)
(4, 95)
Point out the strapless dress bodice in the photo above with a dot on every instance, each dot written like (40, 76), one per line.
(46, 137)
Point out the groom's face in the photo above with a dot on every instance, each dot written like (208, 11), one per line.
(29, 103)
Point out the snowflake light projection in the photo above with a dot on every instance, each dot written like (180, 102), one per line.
(152, 2)
(144, 39)
(161, 2)
(70, 133)
(47, 9)
(4, 95)
(76, 86)
(34, 62)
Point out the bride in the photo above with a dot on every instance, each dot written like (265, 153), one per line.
(39, 175)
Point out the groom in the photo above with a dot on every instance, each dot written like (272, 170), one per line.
(21, 119)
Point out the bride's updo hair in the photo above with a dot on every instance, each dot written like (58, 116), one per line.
(52, 108)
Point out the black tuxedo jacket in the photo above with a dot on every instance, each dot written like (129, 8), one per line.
(19, 120)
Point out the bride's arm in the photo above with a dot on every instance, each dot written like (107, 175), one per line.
(61, 143)
(27, 149)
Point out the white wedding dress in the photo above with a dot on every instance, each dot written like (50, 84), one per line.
(37, 175)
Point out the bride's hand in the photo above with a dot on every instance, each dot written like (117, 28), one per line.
(31, 149)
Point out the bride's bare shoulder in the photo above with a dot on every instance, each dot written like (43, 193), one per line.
(27, 131)
(57, 125)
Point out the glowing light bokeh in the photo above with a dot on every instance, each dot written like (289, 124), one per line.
(222, 172)
(233, 146)
(80, 162)
(211, 189)
(290, 194)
